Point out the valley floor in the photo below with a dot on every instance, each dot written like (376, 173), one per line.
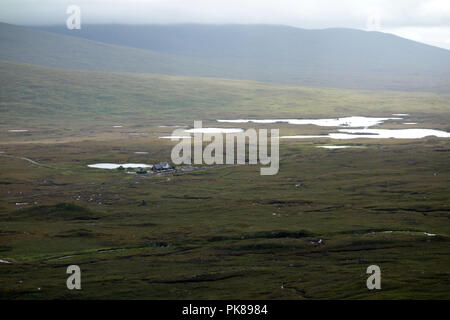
(309, 232)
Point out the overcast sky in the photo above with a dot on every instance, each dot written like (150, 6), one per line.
(421, 20)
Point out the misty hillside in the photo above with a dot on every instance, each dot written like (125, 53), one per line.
(337, 48)
(27, 45)
(340, 58)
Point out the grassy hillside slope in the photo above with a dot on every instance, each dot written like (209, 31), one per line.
(39, 95)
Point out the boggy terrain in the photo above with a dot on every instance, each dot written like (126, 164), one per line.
(309, 232)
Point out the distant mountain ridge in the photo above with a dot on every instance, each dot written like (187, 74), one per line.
(225, 40)
(342, 58)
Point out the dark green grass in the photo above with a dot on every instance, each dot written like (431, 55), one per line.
(220, 233)
(232, 233)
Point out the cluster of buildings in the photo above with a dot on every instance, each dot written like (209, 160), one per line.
(162, 167)
(157, 168)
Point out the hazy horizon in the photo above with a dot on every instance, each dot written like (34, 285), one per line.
(226, 24)
(426, 21)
